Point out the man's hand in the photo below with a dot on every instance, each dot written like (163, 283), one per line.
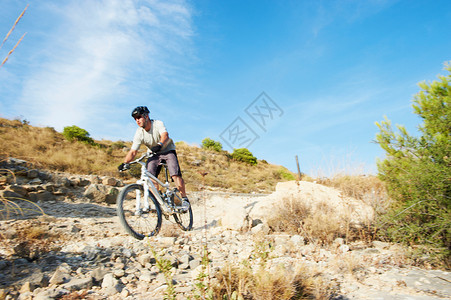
(156, 148)
(123, 167)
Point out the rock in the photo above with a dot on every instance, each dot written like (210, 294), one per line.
(118, 273)
(235, 219)
(109, 282)
(40, 196)
(146, 258)
(167, 241)
(111, 197)
(33, 173)
(10, 195)
(110, 181)
(297, 241)
(100, 193)
(260, 229)
(59, 277)
(99, 273)
(76, 284)
(35, 181)
(147, 276)
(19, 189)
(26, 287)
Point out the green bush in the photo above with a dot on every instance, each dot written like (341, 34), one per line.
(75, 133)
(417, 170)
(118, 145)
(208, 143)
(244, 155)
(285, 174)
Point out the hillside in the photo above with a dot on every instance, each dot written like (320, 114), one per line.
(48, 149)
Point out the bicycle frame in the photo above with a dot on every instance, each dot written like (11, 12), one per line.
(147, 183)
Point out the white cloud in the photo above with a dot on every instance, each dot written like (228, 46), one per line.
(98, 54)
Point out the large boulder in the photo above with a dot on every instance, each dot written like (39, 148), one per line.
(313, 196)
(100, 193)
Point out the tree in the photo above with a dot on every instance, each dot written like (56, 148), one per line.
(417, 170)
(244, 155)
(75, 133)
(208, 143)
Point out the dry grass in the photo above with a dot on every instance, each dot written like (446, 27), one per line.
(244, 282)
(47, 148)
(262, 278)
(320, 224)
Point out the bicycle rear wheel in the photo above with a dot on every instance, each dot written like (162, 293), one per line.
(140, 221)
(184, 218)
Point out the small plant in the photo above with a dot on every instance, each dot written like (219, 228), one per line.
(165, 267)
(75, 133)
(209, 144)
(202, 284)
(244, 155)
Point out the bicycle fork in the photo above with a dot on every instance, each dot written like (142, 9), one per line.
(144, 199)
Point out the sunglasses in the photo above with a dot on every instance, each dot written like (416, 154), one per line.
(137, 117)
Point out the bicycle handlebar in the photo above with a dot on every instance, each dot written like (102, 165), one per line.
(138, 160)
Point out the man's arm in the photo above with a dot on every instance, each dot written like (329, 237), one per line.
(130, 156)
(164, 137)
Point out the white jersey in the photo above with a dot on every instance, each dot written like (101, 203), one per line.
(152, 137)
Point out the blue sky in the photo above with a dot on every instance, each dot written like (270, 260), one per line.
(282, 78)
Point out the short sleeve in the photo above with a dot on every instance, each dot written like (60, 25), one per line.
(137, 140)
(159, 125)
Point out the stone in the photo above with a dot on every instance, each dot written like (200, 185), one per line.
(236, 219)
(35, 181)
(98, 193)
(109, 181)
(19, 189)
(167, 241)
(40, 196)
(76, 284)
(26, 287)
(297, 241)
(260, 229)
(118, 273)
(146, 258)
(109, 281)
(99, 273)
(33, 173)
(10, 195)
(147, 276)
(58, 277)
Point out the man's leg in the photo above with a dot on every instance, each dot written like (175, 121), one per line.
(180, 183)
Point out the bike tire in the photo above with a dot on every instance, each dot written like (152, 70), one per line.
(146, 223)
(184, 218)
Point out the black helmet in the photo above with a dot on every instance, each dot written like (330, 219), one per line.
(140, 110)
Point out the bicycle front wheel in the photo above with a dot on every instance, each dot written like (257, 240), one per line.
(139, 218)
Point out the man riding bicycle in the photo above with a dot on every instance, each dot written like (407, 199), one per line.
(153, 134)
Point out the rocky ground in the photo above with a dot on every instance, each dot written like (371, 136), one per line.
(78, 250)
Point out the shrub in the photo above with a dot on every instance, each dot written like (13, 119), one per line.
(244, 155)
(285, 174)
(75, 133)
(118, 145)
(417, 170)
(208, 143)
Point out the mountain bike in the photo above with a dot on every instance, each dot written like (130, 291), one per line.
(140, 205)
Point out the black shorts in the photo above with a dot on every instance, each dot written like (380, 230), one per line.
(171, 160)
